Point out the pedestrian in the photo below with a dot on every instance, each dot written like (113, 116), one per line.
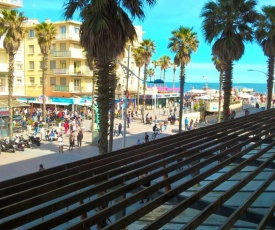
(66, 126)
(165, 123)
(186, 122)
(146, 138)
(71, 141)
(79, 138)
(138, 142)
(60, 143)
(120, 129)
(128, 121)
(41, 168)
(35, 128)
(116, 129)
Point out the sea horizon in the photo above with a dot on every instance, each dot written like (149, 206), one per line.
(257, 87)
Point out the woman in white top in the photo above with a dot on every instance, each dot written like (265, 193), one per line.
(60, 143)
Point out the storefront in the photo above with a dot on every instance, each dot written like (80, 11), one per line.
(159, 100)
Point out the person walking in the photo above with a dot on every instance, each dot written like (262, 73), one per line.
(35, 128)
(186, 122)
(41, 168)
(79, 138)
(71, 141)
(116, 129)
(120, 129)
(60, 143)
(146, 138)
(128, 121)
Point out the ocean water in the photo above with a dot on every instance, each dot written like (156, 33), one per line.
(257, 87)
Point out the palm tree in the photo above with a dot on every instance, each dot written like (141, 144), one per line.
(174, 74)
(265, 36)
(45, 33)
(148, 47)
(156, 64)
(227, 23)
(184, 42)
(164, 63)
(11, 25)
(105, 29)
(138, 57)
(220, 67)
(151, 73)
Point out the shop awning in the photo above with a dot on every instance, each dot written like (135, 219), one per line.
(14, 104)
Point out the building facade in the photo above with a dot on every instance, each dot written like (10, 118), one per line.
(19, 89)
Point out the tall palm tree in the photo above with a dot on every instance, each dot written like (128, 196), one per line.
(164, 63)
(45, 33)
(151, 73)
(11, 25)
(227, 23)
(174, 75)
(105, 29)
(148, 47)
(156, 64)
(265, 35)
(138, 57)
(220, 67)
(184, 42)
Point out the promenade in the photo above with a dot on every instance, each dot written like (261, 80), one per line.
(22, 163)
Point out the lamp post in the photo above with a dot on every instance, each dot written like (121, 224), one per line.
(126, 98)
(255, 70)
(206, 82)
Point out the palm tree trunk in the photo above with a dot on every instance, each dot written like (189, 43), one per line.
(227, 86)
(45, 60)
(93, 112)
(113, 83)
(173, 86)
(182, 81)
(163, 80)
(102, 79)
(220, 97)
(270, 81)
(138, 88)
(144, 92)
(10, 85)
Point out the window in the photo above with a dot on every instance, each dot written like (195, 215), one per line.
(41, 65)
(54, 47)
(18, 81)
(53, 80)
(31, 65)
(76, 30)
(77, 67)
(62, 29)
(63, 81)
(62, 65)
(32, 81)
(31, 49)
(62, 46)
(52, 65)
(31, 33)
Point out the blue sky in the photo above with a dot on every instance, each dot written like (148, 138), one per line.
(158, 24)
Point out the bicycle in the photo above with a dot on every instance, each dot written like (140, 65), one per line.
(155, 133)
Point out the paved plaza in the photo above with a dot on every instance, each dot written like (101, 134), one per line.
(22, 163)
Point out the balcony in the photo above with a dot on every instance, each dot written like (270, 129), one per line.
(61, 88)
(11, 3)
(73, 53)
(61, 71)
(67, 36)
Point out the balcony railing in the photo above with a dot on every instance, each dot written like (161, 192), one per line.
(61, 71)
(61, 53)
(15, 3)
(67, 36)
(61, 88)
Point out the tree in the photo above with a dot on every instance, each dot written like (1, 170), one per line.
(265, 35)
(174, 74)
(105, 29)
(164, 63)
(11, 25)
(183, 43)
(45, 33)
(227, 23)
(156, 64)
(138, 57)
(148, 47)
(151, 73)
(220, 67)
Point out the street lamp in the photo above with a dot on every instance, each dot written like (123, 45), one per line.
(206, 82)
(255, 70)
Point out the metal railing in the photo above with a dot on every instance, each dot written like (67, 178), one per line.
(61, 71)
(61, 88)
